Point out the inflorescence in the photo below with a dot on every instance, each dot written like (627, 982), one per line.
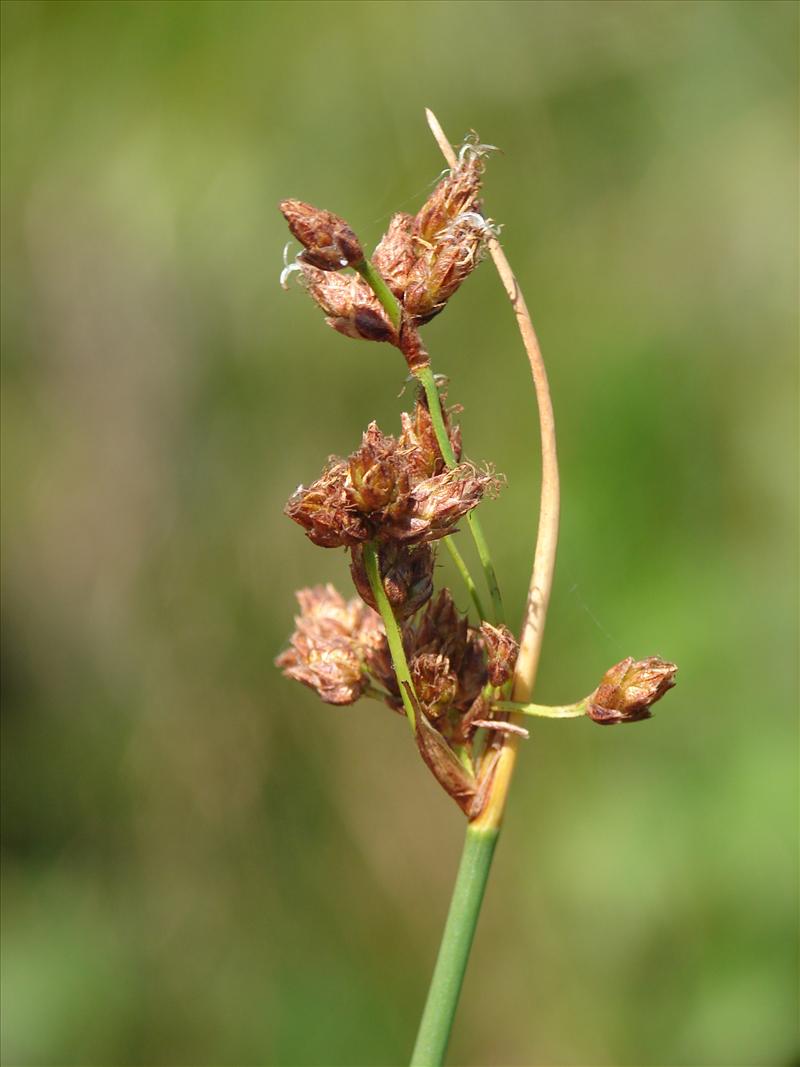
(394, 499)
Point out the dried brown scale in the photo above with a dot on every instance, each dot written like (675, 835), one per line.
(629, 689)
(443, 763)
(329, 243)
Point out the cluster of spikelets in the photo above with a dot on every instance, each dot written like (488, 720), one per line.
(423, 259)
(391, 490)
(397, 497)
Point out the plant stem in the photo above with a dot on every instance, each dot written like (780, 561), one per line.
(463, 570)
(543, 711)
(424, 376)
(393, 636)
(448, 975)
(379, 287)
(482, 833)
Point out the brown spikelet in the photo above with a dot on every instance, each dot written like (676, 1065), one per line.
(332, 644)
(328, 241)
(629, 689)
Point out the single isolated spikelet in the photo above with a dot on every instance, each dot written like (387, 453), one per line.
(629, 689)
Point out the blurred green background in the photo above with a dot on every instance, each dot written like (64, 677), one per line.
(202, 863)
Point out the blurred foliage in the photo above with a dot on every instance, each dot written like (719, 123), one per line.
(202, 863)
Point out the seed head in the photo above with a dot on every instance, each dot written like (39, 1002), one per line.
(332, 645)
(329, 242)
(629, 689)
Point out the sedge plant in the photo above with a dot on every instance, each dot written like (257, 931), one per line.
(462, 681)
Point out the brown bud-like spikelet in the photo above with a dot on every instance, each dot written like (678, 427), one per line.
(629, 689)
(449, 236)
(443, 265)
(378, 477)
(501, 649)
(349, 304)
(436, 504)
(324, 512)
(435, 684)
(329, 242)
(419, 438)
(379, 494)
(456, 193)
(406, 572)
(332, 645)
(395, 254)
(441, 631)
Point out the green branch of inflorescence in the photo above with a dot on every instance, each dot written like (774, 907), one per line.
(424, 376)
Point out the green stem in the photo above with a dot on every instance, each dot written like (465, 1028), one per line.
(424, 376)
(448, 976)
(379, 287)
(482, 546)
(543, 711)
(463, 570)
(393, 636)
(373, 692)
